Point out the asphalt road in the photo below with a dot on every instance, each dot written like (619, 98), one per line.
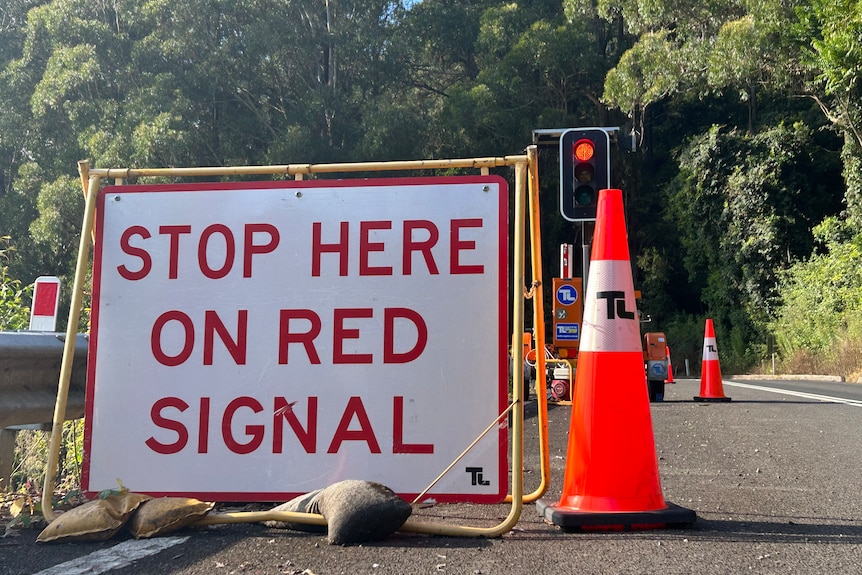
(774, 479)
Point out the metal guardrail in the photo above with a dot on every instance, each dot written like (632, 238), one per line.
(29, 374)
(29, 379)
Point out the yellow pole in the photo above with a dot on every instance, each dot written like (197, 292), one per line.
(538, 322)
(538, 327)
(84, 172)
(69, 350)
(294, 169)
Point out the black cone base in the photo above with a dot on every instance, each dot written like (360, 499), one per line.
(712, 399)
(570, 520)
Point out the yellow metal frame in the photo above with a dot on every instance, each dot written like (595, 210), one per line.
(526, 171)
(535, 294)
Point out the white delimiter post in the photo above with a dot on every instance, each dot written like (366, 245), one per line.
(567, 252)
(46, 297)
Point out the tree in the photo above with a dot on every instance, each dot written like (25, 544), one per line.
(822, 300)
(833, 57)
(700, 48)
(745, 206)
(14, 312)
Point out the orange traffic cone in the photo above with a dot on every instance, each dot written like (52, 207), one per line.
(711, 388)
(669, 366)
(611, 479)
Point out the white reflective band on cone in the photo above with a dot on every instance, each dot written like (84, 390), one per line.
(610, 314)
(710, 349)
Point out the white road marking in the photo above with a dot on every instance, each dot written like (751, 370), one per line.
(829, 398)
(115, 557)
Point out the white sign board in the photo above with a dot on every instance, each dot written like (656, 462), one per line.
(255, 341)
(46, 299)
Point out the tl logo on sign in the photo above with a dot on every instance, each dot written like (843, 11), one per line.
(619, 298)
(567, 294)
(476, 476)
(568, 331)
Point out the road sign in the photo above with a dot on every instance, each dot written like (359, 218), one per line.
(46, 298)
(254, 341)
(567, 294)
(567, 332)
(568, 313)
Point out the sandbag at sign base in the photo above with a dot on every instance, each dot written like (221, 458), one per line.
(165, 515)
(302, 504)
(356, 511)
(143, 516)
(96, 520)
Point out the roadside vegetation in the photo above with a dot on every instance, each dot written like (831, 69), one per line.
(743, 199)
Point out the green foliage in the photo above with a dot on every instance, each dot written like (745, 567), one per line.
(648, 72)
(31, 457)
(685, 338)
(829, 32)
(744, 206)
(57, 229)
(14, 311)
(676, 41)
(833, 28)
(822, 296)
(23, 500)
(852, 156)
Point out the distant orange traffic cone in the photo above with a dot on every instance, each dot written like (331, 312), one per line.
(669, 366)
(611, 479)
(711, 388)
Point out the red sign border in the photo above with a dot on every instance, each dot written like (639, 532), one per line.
(503, 271)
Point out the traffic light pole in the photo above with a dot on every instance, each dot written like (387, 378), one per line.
(586, 247)
(585, 254)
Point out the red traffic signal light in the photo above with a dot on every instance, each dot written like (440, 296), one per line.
(583, 150)
(584, 170)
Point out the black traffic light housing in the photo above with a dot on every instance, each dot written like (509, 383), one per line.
(585, 168)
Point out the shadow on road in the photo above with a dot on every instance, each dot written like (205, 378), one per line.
(783, 530)
(788, 530)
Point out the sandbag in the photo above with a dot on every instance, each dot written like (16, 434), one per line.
(166, 514)
(96, 520)
(306, 503)
(358, 511)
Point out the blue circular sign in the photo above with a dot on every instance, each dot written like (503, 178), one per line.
(658, 370)
(567, 294)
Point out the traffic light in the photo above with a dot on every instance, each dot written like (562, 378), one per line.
(585, 168)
